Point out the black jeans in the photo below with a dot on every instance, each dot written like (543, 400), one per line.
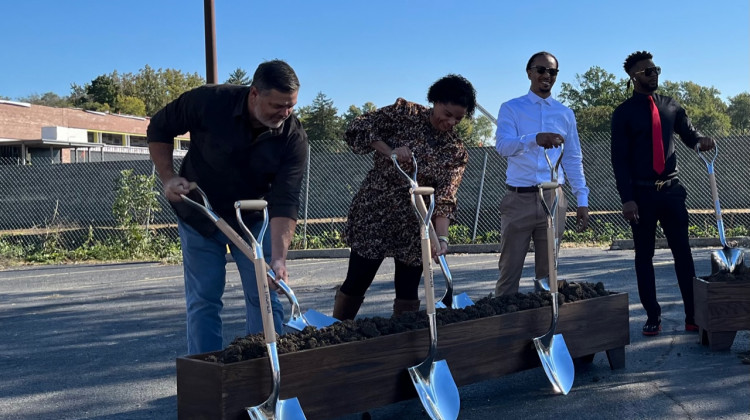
(667, 206)
(362, 272)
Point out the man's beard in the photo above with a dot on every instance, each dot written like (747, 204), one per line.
(648, 87)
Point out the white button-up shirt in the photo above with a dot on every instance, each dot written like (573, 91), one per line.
(518, 123)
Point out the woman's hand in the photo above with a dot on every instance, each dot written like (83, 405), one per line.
(403, 154)
(439, 250)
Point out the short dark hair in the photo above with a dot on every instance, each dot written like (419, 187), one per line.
(454, 89)
(531, 60)
(634, 58)
(275, 74)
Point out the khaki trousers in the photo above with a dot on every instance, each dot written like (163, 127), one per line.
(523, 218)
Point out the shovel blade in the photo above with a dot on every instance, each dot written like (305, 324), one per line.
(557, 362)
(296, 323)
(726, 260)
(283, 410)
(437, 392)
(457, 302)
(311, 318)
(461, 301)
(319, 319)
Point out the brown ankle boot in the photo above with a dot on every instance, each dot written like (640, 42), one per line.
(401, 306)
(345, 306)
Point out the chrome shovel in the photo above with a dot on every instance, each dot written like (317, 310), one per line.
(551, 347)
(542, 284)
(298, 320)
(432, 379)
(726, 259)
(448, 300)
(273, 408)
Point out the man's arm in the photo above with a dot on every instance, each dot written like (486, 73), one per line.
(509, 141)
(572, 163)
(689, 135)
(161, 155)
(282, 232)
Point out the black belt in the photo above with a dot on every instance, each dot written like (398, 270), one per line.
(657, 184)
(522, 189)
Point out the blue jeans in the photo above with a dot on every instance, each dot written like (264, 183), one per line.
(204, 262)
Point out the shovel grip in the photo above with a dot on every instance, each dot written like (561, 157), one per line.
(251, 204)
(549, 185)
(423, 191)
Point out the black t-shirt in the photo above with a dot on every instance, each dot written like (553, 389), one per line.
(227, 157)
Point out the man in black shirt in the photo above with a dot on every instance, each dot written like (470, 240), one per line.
(645, 169)
(245, 143)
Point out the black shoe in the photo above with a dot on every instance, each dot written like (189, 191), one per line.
(652, 327)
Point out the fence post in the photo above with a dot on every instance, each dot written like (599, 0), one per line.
(148, 214)
(307, 195)
(479, 198)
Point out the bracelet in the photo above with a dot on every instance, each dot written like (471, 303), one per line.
(443, 239)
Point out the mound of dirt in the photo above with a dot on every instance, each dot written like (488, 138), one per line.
(253, 346)
(741, 273)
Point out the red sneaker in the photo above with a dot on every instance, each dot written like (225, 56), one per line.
(691, 327)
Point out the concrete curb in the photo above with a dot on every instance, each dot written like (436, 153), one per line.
(738, 241)
(619, 244)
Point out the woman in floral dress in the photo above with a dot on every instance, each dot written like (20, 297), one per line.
(382, 222)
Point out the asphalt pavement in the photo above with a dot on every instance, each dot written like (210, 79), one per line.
(100, 342)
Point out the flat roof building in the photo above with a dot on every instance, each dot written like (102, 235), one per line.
(41, 134)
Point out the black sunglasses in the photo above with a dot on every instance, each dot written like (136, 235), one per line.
(542, 70)
(649, 71)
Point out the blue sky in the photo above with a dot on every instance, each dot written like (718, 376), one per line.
(358, 51)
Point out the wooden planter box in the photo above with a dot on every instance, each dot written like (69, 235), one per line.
(721, 309)
(323, 379)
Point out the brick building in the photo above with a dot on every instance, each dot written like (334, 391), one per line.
(41, 135)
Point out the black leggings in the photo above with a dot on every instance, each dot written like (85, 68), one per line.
(362, 272)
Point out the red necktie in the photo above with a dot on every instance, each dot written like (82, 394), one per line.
(658, 145)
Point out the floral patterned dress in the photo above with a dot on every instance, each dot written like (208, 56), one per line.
(382, 222)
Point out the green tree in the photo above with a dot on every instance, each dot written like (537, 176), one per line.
(322, 123)
(484, 130)
(103, 90)
(475, 132)
(130, 105)
(595, 119)
(48, 99)
(136, 199)
(739, 112)
(354, 112)
(596, 87)
(239, 77)
(702, 104)
(594, 97)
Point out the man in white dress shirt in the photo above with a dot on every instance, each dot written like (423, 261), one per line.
(526, 126)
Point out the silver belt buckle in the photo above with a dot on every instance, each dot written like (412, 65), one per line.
(659, 184)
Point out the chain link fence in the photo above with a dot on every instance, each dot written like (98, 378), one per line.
(75, 201)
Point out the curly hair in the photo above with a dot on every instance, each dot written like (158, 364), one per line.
(454, 89)
(634, 58)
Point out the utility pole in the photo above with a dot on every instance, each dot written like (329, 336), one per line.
(211, 67)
